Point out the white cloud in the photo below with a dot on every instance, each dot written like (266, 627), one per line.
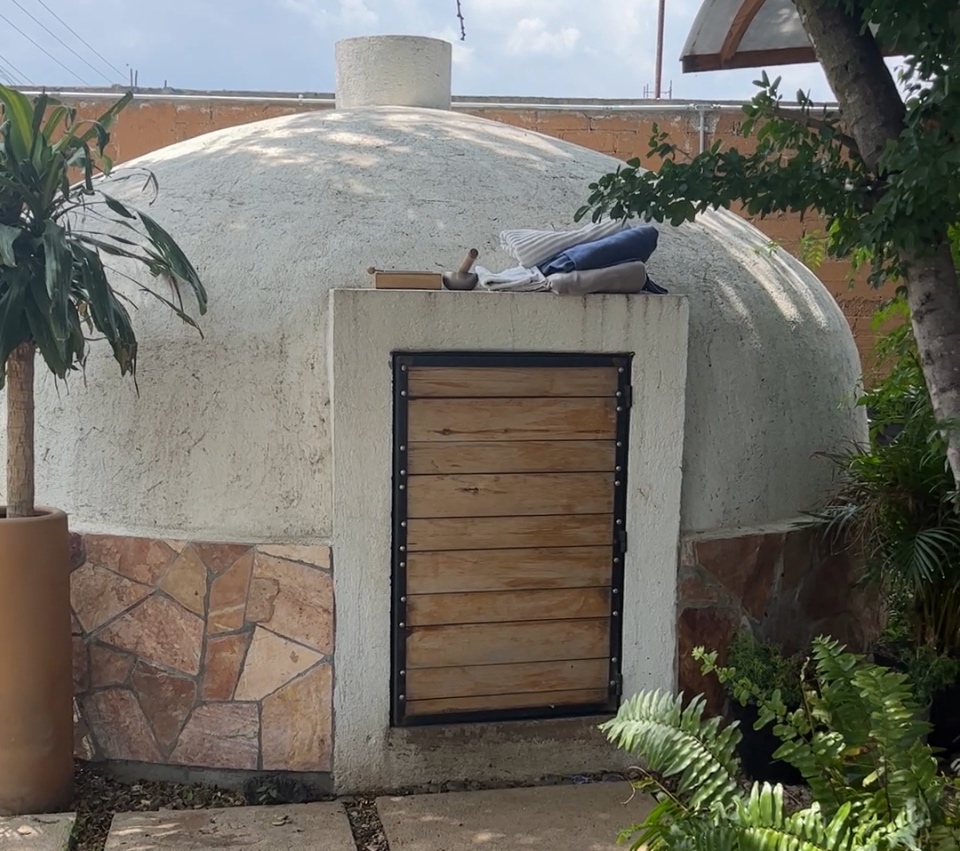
(462, 51)
(532, 36)
(345, 13)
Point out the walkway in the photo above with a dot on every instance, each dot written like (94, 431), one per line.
(547, 818)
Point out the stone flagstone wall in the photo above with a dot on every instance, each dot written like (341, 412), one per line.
(787, 588)
(202, 654)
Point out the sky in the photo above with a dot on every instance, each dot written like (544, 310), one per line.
(521, 48)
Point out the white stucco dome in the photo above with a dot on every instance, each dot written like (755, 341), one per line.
(229, 435)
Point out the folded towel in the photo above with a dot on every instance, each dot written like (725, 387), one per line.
(533, 247)
(625, 278)
(517, 279)
(627, 246)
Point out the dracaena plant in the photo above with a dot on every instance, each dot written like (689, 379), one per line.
(58, 234)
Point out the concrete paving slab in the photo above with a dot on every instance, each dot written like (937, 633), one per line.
(37, 833)
(546, 818)
(302, 827)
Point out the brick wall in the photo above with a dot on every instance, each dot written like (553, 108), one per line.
(624, 133)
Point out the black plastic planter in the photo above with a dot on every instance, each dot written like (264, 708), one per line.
(757, 748)
(945, 719)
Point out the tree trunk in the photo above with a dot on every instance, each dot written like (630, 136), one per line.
(20, 423)
(934, 299)
(874, 112)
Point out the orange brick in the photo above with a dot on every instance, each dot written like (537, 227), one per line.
(632, 122)
(552, 123)
(592, 139)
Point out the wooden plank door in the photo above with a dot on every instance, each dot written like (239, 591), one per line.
(508, 535)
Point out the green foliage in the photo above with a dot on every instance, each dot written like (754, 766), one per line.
(897, 497)
(760, 664)
(804, 162)
(54, 288)
(928, 670)
(856, 738)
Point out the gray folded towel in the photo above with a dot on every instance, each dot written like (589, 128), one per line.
(625, 278)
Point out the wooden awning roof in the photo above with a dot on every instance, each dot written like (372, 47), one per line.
(746, 34)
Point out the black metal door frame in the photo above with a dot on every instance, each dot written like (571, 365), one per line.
(402, 362)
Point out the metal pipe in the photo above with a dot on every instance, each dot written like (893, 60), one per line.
(463, 103)
(658, 85)
(702, 108)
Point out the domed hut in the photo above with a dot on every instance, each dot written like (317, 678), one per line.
(382, 536)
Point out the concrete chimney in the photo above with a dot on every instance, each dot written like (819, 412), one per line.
(393, 70)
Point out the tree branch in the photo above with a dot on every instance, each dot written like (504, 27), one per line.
(819, 125)
(463, 24)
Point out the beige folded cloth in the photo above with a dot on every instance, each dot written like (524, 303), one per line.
(625, 278)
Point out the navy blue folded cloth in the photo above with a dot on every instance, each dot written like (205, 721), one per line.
(626, 246)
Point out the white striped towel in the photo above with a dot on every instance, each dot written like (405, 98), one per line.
(532, 247)
(517, 280)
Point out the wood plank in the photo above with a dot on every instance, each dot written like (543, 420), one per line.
(490, 533)
(478, 680)
(510, 494)
(505, 606)
(525, 456)
(498, 644)
(511, 419)
(530, 700)
(511, 381)
(508, 570)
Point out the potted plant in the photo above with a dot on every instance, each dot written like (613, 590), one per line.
(55, 295)
(761, 668)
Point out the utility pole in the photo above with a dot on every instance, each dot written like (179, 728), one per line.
(658, 86)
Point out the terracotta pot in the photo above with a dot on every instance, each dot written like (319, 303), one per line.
(36, 668)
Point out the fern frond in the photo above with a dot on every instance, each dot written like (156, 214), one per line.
(765, 827)
(905, 768)
(854, 827)
(678, 742)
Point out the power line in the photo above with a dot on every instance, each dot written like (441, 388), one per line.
(51, 32)
(43, 49)
(8, 75)
(82, 40)
(11, 67)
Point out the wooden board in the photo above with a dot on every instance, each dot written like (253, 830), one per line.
(511, 419)
(488, 533)
(497, 644)
(407, 280)
(511, 701)
(509, 495)
(508, 570)
(525, 456)
(513, 382)
(434, 683)
(503, 606)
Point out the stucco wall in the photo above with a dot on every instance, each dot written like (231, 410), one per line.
(229, 436)
(366, 326)
(623, 132)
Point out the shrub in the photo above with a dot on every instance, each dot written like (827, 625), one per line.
(762, 665)
(897, 501)
(857, 738)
